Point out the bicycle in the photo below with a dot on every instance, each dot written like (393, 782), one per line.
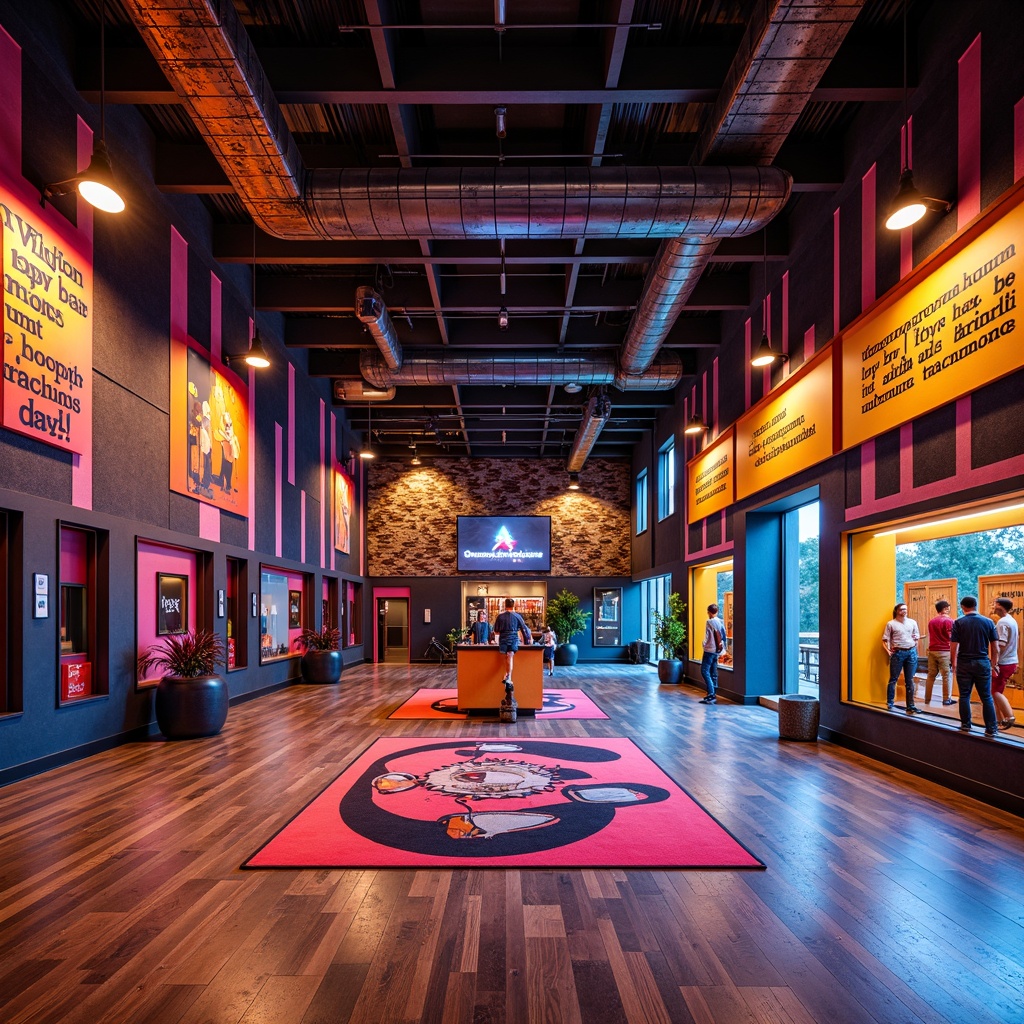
(436, 649)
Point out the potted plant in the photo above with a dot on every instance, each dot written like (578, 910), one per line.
(670, 635)
(191, 699)
(322, 661)
(567, 621)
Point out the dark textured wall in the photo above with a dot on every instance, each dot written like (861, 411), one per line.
(411, 513)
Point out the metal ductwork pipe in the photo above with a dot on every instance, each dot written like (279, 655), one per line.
(371, 310)
(355, 389)
(595, 416)
(663, 374)
(545, 202)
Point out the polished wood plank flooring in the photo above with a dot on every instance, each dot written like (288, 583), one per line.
(886, 899)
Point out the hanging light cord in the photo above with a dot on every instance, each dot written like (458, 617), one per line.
(103, 69)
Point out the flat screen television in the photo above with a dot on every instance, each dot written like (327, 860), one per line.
(504, 543)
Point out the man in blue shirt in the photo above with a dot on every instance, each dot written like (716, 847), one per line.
(508, 625)
(481, 629)
(972, 652)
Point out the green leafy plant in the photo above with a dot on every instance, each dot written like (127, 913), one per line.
(454, 636)
(185, 655)
(670, 629)
(326, 639)
(565, 618)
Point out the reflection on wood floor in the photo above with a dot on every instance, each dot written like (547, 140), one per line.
(886, 898)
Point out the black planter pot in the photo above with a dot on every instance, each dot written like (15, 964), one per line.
(566, 654)
(321, 666)
(670, 671)
(189, 708)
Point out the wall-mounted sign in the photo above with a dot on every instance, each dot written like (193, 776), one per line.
(711, 479)
(209, 431)
(789, 431)
(47, 310)
(947, 336)
(171, 603)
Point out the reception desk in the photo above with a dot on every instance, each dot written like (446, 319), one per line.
(481, 669)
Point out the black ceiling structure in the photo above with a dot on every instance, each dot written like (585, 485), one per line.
(379, 123)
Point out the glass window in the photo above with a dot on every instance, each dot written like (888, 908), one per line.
(641, 502)
(237, 613)
(667, 479)
(81, 614)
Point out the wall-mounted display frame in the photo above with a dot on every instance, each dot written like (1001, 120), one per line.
(81, 599)
(607, 616)
(171, 603)
(294, 609)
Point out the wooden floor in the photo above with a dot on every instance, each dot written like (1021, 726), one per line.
(885, 898)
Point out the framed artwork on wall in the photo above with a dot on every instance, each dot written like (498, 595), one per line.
(607, 616)
(294, 609)
(171, 603)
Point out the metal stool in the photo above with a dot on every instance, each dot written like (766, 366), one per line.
(799, 715)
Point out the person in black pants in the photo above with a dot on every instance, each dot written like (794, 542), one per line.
(508, 625)
(972, 652)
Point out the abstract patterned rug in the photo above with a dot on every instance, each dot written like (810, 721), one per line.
(572, 803)
(427, 703)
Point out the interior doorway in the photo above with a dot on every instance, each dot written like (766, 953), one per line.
(801, 529)
(392, 630)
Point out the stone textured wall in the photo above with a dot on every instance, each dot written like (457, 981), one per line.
(411, 513)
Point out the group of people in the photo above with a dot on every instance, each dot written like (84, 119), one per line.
(982, 654)
(506, 631)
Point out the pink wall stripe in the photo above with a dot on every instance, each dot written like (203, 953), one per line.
(714, 391)
(785, 324)
(10, 107)
(325, 519)
(302, 527)
(748, 370)
(278, 487)
(835, 273)
(1018, 140)
(81, 465)
(252, 454)
(216, 320)
(362, 517)
(209, 522)
(808, 343)
(907, 234)
(330, 484)
(868, 235)
(291, 424)
(766, 325)
(704, 389)
(179, 286)
(969, 134)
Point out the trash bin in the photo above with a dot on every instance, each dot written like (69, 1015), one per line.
(799, 714)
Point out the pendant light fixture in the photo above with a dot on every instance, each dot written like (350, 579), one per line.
(695, 426)
(367, 452)
(96, 184)
(574, 482)
(908, 205)
(765, 354)
(257, 354)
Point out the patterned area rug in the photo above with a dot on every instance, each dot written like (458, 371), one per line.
(413, 802)
(427, 703)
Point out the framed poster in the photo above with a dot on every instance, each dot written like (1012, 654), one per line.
(344, 497)
(171, 603)
(294, 609)
(607, 616)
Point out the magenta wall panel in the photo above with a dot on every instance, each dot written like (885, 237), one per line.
(835, 272)
(252, 453)
(868, 236)
(81, 465)
(291, 424)
(10, 108)
(969, 134)
(907, 234)
(278, 487)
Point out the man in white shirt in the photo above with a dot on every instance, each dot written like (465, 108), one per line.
(1006, 663)
(899, 638)
(714, 644)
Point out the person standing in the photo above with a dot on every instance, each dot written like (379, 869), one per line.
(1006, 663)
(508, 625)
(481, 631)
(938, 653)
(899, 639)
(714, 644)
(973, 650)
(549, 642)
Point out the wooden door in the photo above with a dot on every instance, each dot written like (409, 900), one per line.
(1010, 585)
(920, 597)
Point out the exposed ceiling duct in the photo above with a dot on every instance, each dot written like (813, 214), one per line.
(355, 389)
(371, 310)
(595, 416)
(663, 374)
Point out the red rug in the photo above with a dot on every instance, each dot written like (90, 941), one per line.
(427, 703)
(565, 803)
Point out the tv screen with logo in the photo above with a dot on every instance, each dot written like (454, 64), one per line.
(504, 543)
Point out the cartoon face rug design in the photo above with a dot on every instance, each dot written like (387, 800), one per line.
(517, 802)
(428, 703)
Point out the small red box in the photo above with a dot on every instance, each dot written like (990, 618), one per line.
(231, 652)
(75, 680)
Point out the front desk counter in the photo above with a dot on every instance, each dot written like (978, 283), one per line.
(481, 669)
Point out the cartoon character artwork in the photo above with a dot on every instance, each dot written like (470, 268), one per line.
(344, 496)
(407, 809)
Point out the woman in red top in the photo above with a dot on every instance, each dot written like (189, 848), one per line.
(939, 629)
